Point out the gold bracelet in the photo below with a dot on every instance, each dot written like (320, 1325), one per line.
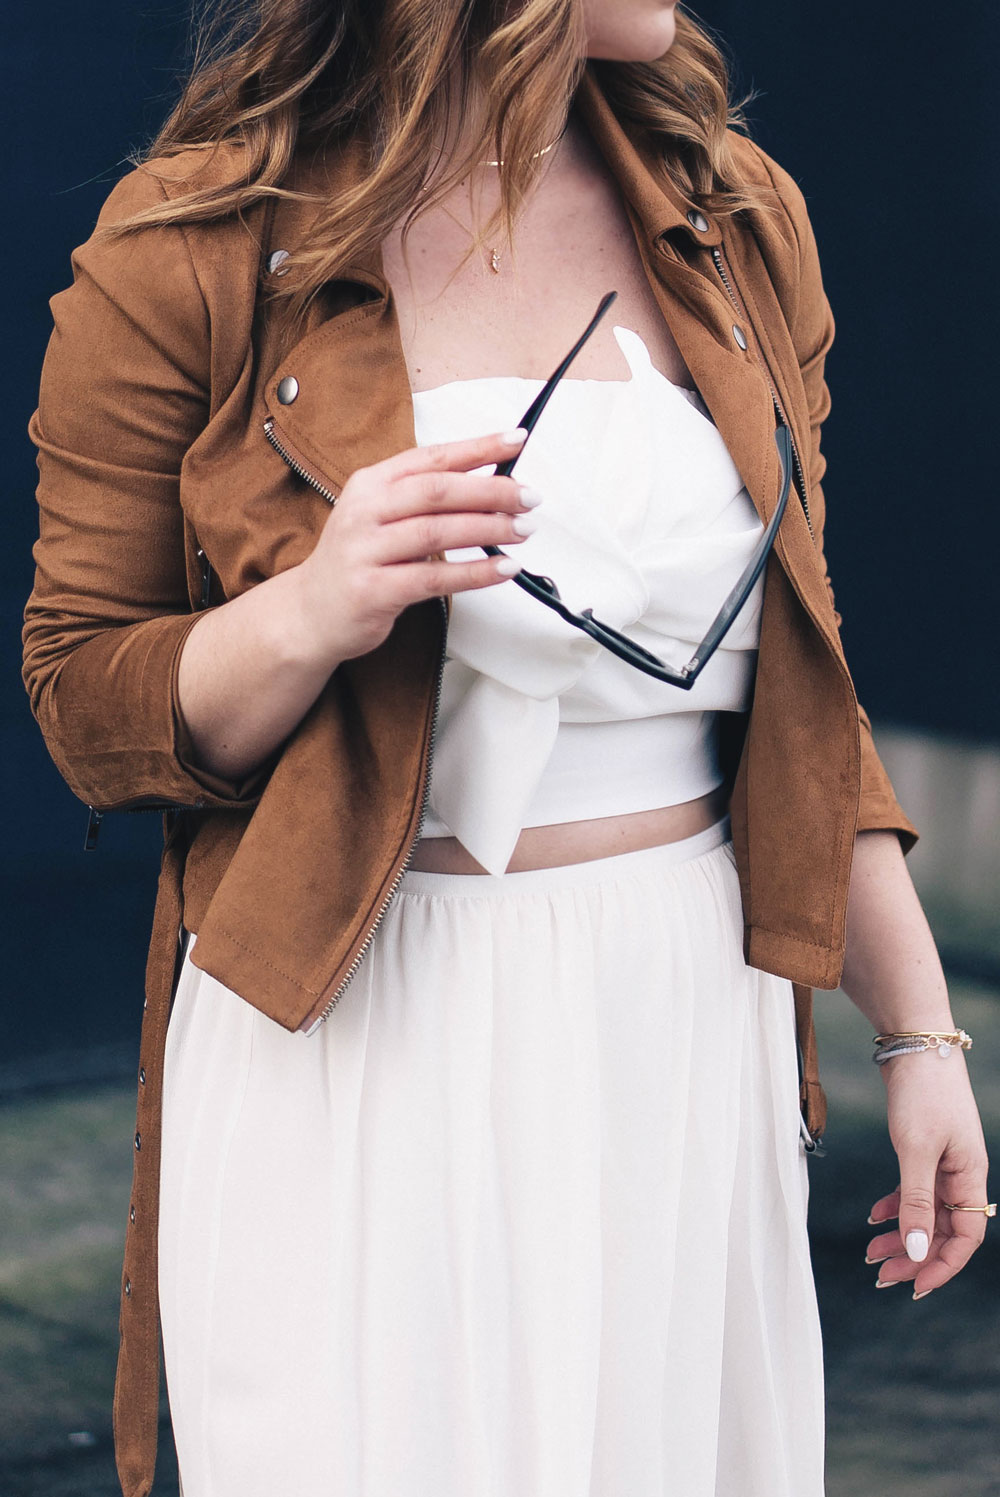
(946, 1036)
(908, 1042)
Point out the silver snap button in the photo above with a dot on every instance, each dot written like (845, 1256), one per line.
(288, 388)
(142, 1075)
(131, 1213)
(698, 221)
(138, 1141)
(128, 1288)
(276, 259)
(740, 336)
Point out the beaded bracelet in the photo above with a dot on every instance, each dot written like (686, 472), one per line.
(910, 1042)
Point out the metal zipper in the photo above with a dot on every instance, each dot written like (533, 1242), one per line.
(741, 311)
(294, 463)
(95, 817)
(297, 467)
(812, 1145)
(398, 879)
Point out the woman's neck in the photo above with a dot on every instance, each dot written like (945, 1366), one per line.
(464, 136)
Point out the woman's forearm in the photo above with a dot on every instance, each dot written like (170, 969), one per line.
(250, 670)
(248, 674)
(892, 971)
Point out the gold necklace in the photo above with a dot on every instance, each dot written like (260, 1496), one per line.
(494, 254)
(494, 260)
(543, 152)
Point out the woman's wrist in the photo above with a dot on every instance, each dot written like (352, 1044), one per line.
(292, 633)
(925, 1069)
(249, 671)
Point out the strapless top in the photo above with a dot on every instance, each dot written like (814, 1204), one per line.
(645, 520)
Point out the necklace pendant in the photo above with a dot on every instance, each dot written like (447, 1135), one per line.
(494, 262)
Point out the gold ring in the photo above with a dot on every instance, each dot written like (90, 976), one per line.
(988, 1210)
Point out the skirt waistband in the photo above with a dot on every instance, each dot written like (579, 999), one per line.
(645, 860)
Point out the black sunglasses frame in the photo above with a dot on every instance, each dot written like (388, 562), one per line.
(545, 590)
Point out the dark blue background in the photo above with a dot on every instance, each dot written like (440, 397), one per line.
(883, 113)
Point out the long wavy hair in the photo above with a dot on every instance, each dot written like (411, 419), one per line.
(276, 78)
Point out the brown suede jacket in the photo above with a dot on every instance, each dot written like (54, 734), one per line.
(162, 443)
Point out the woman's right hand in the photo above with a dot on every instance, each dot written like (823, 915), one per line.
(374, 554)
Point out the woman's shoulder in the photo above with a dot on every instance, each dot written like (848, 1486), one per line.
(162, 280)
(783, 213)
(159, 180)
(143, 240)
(781, 232)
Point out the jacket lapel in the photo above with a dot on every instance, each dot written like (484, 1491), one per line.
(702, 317)
(350, 403)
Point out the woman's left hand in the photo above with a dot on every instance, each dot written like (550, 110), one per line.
(937, 1133)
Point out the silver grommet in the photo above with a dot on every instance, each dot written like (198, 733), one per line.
(698, 221)
(128, 1288)
(740, 336)
(274, 260)
(288, 388)
(131, 1213)
(142, 1075)
(138, 1141)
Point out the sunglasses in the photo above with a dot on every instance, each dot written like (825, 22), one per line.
(545, 590)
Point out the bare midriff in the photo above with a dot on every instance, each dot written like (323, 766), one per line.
(581, 841)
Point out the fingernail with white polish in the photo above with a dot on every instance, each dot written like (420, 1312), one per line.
(524, 524)
(885, 1283)
(529, 497)
(508, 567)
(514, 438)
(919, 1293)
(916, 1246)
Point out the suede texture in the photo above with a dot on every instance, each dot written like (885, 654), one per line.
(160, 373)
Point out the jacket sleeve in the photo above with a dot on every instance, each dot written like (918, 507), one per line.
(810, 321)
(124, 392)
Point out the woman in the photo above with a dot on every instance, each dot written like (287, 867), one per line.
(486, 955)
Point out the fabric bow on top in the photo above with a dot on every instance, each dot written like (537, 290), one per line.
(646, 521)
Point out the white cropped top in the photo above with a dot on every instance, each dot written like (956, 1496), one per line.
(644, 519)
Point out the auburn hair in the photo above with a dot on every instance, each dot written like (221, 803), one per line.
(277, 78)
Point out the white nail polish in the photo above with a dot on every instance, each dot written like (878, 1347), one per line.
(508, 567)
(524, 524)
(516, 437)
(529, 497)
(916, 1246)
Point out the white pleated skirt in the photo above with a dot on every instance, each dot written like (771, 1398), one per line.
(526, 1217)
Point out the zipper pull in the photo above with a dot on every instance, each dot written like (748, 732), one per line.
(811, 1145)
(94, 820)
(206, 577)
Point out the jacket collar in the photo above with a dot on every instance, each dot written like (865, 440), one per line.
(644, 181)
